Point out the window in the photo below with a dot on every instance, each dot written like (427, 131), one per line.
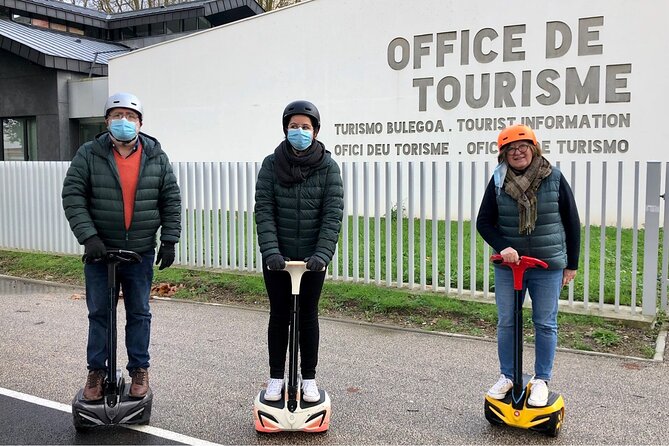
(58, 26)
(142, 30)
(96, 33)
(173, 26)
(41, 23)
(128, 33)
(203, 23)
(90, 128)
(157, 29)
(20, 19)
(19, 139)
(190, 24)
(77, 31)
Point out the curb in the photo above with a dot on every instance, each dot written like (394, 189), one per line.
(660, 345)
(657, 358)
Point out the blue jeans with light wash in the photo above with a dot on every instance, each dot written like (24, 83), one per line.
(135, 281)
(544, 287)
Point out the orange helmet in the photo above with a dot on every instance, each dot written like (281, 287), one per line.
(516, 132)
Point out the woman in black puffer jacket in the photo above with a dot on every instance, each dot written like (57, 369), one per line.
(299, 207)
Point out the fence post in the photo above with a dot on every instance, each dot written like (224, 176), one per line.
(651, 238)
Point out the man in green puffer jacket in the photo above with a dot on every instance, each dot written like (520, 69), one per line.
(299, 208)
(118, 191)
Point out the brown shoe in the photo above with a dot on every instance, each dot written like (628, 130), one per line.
(140, 383)
(93, 387)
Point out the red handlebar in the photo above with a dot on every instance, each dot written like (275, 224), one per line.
(519, 268)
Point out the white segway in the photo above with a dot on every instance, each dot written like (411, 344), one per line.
(291, 412)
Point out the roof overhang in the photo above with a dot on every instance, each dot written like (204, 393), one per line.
(56, 50)
(222, 11)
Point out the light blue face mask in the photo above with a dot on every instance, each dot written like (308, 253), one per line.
(123, 130)
(299, 139)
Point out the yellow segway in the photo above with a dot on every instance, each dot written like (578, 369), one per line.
(513, 409)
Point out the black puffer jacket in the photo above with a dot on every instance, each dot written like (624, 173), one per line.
(301, 220)
(93, 201)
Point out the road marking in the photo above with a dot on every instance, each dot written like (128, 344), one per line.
(36, 400)
(152, 430)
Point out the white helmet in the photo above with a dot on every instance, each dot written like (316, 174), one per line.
(125, 100)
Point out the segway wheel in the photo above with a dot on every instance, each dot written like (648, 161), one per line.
(491, 417)
(79, 426)
(146, 416)
(556, 423)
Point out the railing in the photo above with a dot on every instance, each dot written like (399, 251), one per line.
(395, 233)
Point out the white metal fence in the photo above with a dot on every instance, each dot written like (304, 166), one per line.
(395, 233)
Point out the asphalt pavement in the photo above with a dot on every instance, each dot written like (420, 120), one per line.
(388, 386)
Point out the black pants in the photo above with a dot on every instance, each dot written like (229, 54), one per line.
(278, 288)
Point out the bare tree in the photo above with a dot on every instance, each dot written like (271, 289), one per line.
(112, 6)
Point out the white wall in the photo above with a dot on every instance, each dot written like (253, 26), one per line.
(219, 94)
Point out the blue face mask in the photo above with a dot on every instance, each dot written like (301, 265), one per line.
(299, 139)
(123, 130)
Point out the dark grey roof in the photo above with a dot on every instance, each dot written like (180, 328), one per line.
(224, 11)
(59, 10)
(68, 7)
(58, 50)
(232, 9)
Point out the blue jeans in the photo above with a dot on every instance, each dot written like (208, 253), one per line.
(135, 280)
(544, 287)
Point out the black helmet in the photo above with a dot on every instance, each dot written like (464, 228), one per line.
(301, 108)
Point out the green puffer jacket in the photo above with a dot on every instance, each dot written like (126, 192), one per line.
(93, 201)
(301, 220)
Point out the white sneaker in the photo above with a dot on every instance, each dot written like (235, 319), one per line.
(538, 393)
(274, 390)
(501, 387)
(310, 392)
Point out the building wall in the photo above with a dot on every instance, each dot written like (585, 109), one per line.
(399, 80)
(400, 65)
(27, 89)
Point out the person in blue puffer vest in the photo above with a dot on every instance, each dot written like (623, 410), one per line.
(299, 208)
(528, 209)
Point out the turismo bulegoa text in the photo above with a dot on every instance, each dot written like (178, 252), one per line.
(560, 122)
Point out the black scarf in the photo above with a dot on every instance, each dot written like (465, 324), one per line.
(291, 169)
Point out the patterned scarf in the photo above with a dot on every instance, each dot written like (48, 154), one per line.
(291, 169)
(523, 186)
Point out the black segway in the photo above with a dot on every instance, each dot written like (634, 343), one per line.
(116, 405)
(291, 412)
(513, 409)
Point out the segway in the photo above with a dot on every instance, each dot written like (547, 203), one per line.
(116, 405)
(291, 412)
(513, 409)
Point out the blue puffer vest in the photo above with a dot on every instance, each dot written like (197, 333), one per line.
(547, 241)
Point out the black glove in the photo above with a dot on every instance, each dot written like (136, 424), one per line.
(315, 263)
(166, 254)
(275, 262)
(94, 248)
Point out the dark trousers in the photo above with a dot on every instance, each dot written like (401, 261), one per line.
(135, 280)
(280, 297)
